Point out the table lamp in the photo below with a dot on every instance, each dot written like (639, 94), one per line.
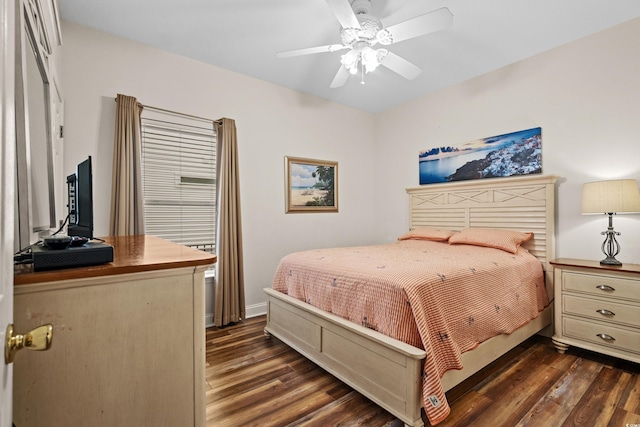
(619, 196)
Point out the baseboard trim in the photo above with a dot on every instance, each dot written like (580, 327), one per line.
(254, 310)
(208, 320)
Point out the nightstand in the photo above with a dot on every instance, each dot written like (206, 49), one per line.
(597, 307)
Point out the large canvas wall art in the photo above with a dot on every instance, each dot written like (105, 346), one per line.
(516, 153)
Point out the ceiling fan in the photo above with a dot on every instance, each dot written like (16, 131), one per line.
(361, 32)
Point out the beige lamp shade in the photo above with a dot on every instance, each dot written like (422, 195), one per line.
(616, 196)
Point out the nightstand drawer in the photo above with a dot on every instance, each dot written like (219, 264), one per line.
(602, 285)
(621, 338)
(602, 310)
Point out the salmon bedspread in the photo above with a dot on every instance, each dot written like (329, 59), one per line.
(445, 299)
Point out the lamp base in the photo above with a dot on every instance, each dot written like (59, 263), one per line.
(610, 261)
(610, 246)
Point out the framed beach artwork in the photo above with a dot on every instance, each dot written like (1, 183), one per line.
(311, 185)
(516, 153)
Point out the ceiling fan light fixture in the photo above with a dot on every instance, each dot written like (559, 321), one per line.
(369, 58)
(381, 54)
(350, 60)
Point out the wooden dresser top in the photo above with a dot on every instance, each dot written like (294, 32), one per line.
(131, 254)
(568, 262)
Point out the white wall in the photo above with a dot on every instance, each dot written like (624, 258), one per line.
(272, 122)
(585, 97)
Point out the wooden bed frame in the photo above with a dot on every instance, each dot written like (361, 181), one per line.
(389, 371)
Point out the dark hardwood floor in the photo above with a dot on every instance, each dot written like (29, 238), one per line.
(254, 381)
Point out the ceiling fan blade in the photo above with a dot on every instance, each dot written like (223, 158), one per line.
(430, 22)
(401, 66)
(344, 13)
(311, 50)
(341, 77)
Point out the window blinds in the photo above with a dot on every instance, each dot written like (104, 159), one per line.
(179, 178)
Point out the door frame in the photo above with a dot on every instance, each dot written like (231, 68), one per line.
(7, 193)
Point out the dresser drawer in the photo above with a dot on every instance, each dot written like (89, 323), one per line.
(602, 310)
(602, 285)
(623, 339)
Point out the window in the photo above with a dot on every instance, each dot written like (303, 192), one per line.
(179, 178)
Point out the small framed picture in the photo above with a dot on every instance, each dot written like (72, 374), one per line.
(311, 185)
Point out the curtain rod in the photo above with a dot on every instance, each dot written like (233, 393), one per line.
(219, 121)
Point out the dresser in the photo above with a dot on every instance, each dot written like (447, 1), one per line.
(128, 345)
(597, 307)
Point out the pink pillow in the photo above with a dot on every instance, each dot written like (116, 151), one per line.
(507, 240)
(426, 233)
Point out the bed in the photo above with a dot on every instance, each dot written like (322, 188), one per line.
(390, 371)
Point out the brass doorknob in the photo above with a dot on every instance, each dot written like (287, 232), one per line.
(38, 339)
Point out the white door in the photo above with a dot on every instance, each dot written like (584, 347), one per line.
(7, 195)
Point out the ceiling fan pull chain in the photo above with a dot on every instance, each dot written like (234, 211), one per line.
(361, 73)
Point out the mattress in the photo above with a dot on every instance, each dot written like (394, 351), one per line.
(443, 298)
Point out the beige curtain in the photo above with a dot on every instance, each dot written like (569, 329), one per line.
(127, 216)
(229, 286)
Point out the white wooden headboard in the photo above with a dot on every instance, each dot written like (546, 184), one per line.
(524, 203)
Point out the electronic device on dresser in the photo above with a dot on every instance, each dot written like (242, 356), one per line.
(80, 201)
(76, 249)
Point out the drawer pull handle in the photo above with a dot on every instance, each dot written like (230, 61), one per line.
(605, 288)
(605, 312)
(606, 337)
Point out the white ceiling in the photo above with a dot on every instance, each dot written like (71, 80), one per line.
(244, 36)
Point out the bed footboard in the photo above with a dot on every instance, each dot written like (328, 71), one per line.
(385, 370)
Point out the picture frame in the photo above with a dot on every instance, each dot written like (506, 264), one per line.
(509, 154)
(310, 185)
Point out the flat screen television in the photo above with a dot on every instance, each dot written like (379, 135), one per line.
(80, 193)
